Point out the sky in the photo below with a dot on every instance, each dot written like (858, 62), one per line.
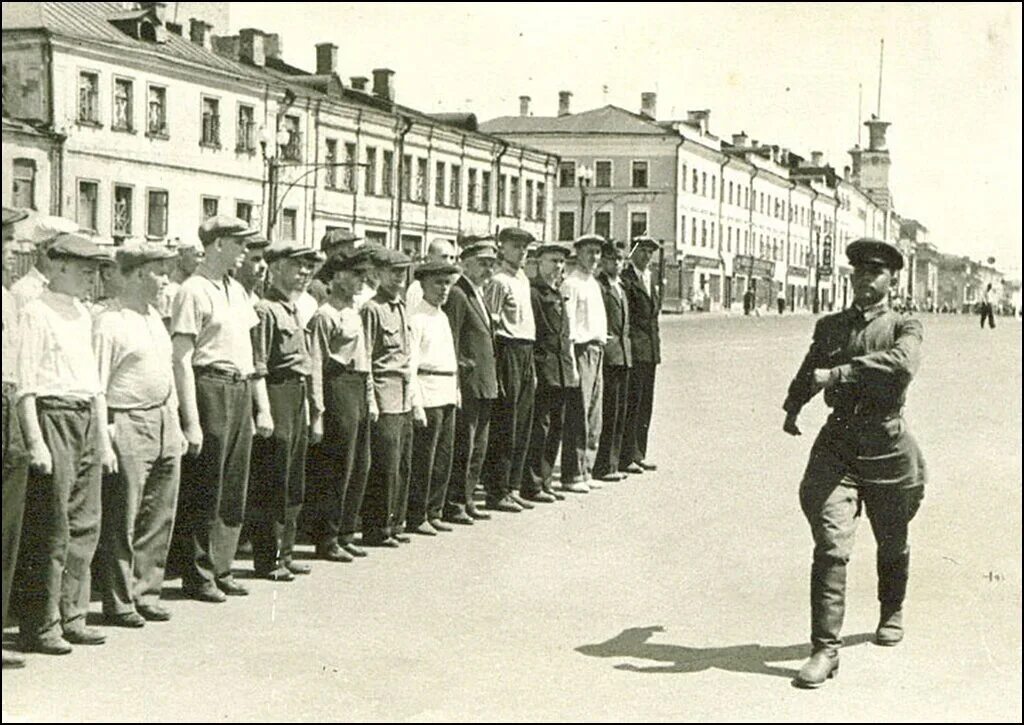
(787, 74)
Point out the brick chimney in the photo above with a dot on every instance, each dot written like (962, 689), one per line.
(564, 98)
(739, 140)
(384, 84)
(272, 45)
(649, 104)
(326, 59)
(816, 158)
(199, 32)
(159, 10)
(251, 47)
(524, 105)
(700, 118)
(359, 83)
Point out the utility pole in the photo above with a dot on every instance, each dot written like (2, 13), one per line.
(881, 60)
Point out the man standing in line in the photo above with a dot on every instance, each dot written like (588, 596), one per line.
(508, 300)
(211, 326)
(252, 272)
(864, 358)
(618, 359)
(440, 250)
(588, 330)
(189, 257)
(556, 373)
(473, 336)
(644, 299)
(435, 397)
(334, 242)
(385, 323)
(282, 360)
(133, 352)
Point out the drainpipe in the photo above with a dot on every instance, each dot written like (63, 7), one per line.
(428, 201)
(406, 126)
(813, 244)
(355, 169)
(57, 154)
(550, 179)
(496, 165)
(721, 203)
(311, 232)
(462, 168)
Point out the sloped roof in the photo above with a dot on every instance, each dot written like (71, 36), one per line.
(607, 119)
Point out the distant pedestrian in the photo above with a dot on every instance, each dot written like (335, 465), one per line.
(988, 303)
(749, 300)
(780, 300)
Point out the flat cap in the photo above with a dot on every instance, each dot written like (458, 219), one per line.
(553, 248)
(337, 237)
(646, 241)
(135, 255)
(76, 246)
(43, 229)
(429, 269)
(13, 216)
(395, 258)
(482, 249)
(875, 251)
(257, 241)
(612, 248)
(589, 239)
(515, 234)
(220, 226)
(291, 250)
(357, 259)
(376, 253)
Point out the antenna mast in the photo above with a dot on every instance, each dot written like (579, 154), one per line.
(881, 60)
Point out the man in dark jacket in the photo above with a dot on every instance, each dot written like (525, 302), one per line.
(618, 358)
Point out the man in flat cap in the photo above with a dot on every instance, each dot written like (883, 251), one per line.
(333, 242)
(644, 299)
(439, 250)
(864, 359)
(344, 408)
(133, 351)
(252, 272)
(211, 326)
(41, 232)
(473, 336)
(435, 396)
(277, 480)
(508, 300)
(189, 257)
(59, 386)
(588, 330)
(556, 373)
(386, 324)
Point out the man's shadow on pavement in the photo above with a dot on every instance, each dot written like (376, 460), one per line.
(746, 658)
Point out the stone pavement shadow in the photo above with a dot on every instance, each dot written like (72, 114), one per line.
(634, 643)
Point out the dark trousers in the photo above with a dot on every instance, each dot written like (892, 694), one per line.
(510, 419)
(832, 510)
(338, 466)
(613, 427)
(987, 314)
(277, 479)
(387, 490)
(138, 507)
(782, 306)
(15, 463)
(431, 465)
(583, 415)
(211, 503)
(545, 437)
(62, 522)
(472, 431)
(638, 413)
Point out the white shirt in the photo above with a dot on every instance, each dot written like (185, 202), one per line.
(432, 349)
(219, 315)
(55, 355)
(305, 307)
(364, 295)
(133, 355)
(413, 295)
(509, 302)
(584, 304)
(29, 287)
(10, 337)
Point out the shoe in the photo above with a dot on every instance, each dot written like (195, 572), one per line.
(890, 628)
(401, 538)
(232, 588)
(50, 643)
(610, 477)
(131, 620)
(647, 466)
(554, 494)
(84, 635)
(461, 517)
(576, 487)
(634, 468)
(478, 515)
(278, 574)
(153, 612)
(506, 505)
(423, 529)
(518, 501)
(354, 550)
(244, 550)
(13, 661)
(538, 497)
(384, 542)
(298, 568)
(333, 552)
(205, 593)
(823, 665)
(440, 525)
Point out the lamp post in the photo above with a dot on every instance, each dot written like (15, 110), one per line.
(271, 143)
(584, 175)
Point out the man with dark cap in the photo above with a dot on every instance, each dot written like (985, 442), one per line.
(133, 352)
(618, 359)
(644, 299)
(211, 326)
(508, 299)
(435, 396)
(252, 272)
(15, 457)
(386, 325)
(473, 336)
(278, 477)
(59, 386)
(333, 242)
(864, 359)
(556, 373)
(344, 408)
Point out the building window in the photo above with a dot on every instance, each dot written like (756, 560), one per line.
(502, 194)
(121, 225)
(730, 192)
(714, 186)
(514, 193)
(387, 174)
(682, 229)
(243, 210)
(693, 232)
(88, 205)
(703, 232)
(245, 140)
(348, 173)
(292, 150)
(210, 205)
(603, 224)
(455, 186)
(682, 178)
(566, 226)
(421, 181)
(156, 214)
(375, 237)
(567, 174)
(728, 239)
(485, 191)
(603, 174)
(123, 98)
(24, 185)
(211, 122)
(406, 177)
(370, 178)
(529, 199)
(639, 175)
(473, 191)
(156, 111)
(289, 219)
(331, 163)
(637, 224)
(88, 97)
(440, 185)
(542, 201)
(703, 183)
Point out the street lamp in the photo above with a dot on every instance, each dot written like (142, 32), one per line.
(584, 175)
(271, 143)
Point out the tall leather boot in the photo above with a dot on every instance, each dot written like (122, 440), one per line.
(288, 533)
(892, 590)
(828, 605)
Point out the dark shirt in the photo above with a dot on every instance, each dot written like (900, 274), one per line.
(618, 349)
(279, 343)
(387, 341)
(552, 350)
(473, 335)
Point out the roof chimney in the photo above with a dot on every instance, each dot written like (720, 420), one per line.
(326, 59)
(739, 140)
(359, 83)
(384, 84)
(199, 32)
(700, 118)
(524, 105)
(159, 10)
(272, 45)
(251, 48)
(174, 28)
(564, 97)
(649, 104)
(226, 46)
(816, 158)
